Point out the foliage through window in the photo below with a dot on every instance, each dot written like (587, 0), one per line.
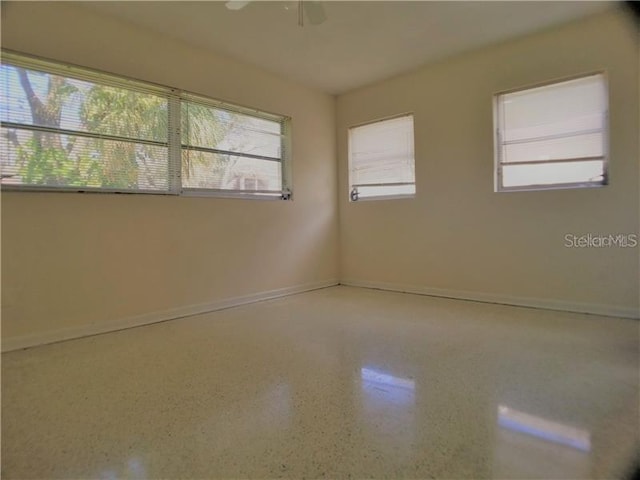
(381, 159)
(69, 128)
(553, 136)
(227, 150)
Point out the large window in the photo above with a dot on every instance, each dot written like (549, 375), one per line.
(69, 128)
(553, 136)
(381, 159)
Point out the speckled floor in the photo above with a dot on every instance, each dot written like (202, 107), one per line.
(337, 383)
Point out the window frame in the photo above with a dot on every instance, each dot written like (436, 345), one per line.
(174, 143)
(285, 148)
(497, 143)
(404, 196)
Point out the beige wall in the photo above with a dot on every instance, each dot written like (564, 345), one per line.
(458, 237)
(71, 260)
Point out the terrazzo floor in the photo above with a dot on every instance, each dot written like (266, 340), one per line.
(337, 383)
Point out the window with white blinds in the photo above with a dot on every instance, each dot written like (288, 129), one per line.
(67, 128)
(74, 129)
(381, 159)
(227, 150)
(553, 136)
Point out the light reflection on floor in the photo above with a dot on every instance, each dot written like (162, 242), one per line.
(388, 411)
(386, 387)
(134, 469)
(544, 429)
(526, 445)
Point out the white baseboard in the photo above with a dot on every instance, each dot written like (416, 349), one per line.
(25, 341)
(592, 308)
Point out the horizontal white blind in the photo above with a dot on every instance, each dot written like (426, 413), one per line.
(381, 158)
(562, 173)
(60, 129)
(231, 149)
(554, 134)
(65, 127)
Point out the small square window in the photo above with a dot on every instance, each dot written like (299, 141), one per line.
(381, 159)
(553, 136)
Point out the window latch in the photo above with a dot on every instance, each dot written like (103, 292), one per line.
(354, 194)
(286, 194)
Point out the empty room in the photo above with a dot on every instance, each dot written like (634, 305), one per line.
(320, 239)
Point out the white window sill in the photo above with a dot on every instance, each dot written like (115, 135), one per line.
(384, 197)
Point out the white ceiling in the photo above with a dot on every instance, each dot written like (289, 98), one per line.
(360, 42)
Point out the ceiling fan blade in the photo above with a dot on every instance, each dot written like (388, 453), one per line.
(237, 4)
(315, 12)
